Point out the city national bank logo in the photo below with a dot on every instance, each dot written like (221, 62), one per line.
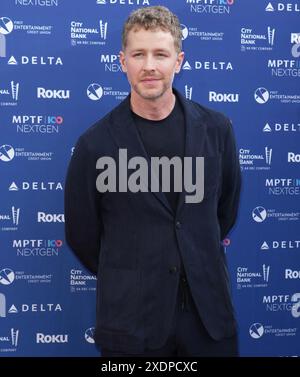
(283, 302)
(89, 335)
(36, 186)
(87, 35)
(210, 6)
(253, 161)
(7, 276)
(11, 220)
(280, 245)
(36, 60)
(281, 128)
(252, 279)
(188, 90)
(263, 95)
(295, 41)
(40, 3)
(123, 2)
(38, 124)
(211, 36)
(9, 342)
(283, 7)
(82, 282)
(37, 247)
(257, 330)
(95, 92)
(252, 41)
(283, 186)
(7, 153)
(10, 96)
(260, 214)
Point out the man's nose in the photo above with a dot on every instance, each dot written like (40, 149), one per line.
(149, 63)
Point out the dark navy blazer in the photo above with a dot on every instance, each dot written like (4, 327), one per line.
(133, 241)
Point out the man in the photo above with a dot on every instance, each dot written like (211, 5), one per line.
(163, 286)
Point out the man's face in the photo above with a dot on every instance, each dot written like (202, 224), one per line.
(150, 61)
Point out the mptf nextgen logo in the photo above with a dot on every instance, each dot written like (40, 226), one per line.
(37, 247)
(286, 302)
(283, 186)
(38, 124)
(210, 6)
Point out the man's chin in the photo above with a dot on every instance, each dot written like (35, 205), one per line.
(150, 94)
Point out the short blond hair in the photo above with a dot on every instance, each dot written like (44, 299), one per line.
(151, 18)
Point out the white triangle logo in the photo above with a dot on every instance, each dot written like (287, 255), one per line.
(13, 187)
(12, 61)
(187, 66)
(264, 246)
(13, 309)
(267, 128)
(269, 8)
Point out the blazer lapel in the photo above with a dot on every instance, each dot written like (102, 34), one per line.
(126, 136)
(195, 130)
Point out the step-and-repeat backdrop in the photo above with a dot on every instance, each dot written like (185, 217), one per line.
(60, 73)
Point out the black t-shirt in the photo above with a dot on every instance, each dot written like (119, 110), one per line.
(164, 137)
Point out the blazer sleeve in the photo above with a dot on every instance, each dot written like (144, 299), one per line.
(82, 218)
(231, 184)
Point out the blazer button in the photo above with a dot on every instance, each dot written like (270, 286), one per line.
(178, 225)
(173, 270)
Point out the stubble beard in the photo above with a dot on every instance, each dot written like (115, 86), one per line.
(146, 94)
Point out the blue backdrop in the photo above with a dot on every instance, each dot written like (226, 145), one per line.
(60, 73)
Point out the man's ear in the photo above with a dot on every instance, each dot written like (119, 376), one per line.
(122, 61)
(179, 61)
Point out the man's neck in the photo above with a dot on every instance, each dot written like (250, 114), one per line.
(153, 109)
